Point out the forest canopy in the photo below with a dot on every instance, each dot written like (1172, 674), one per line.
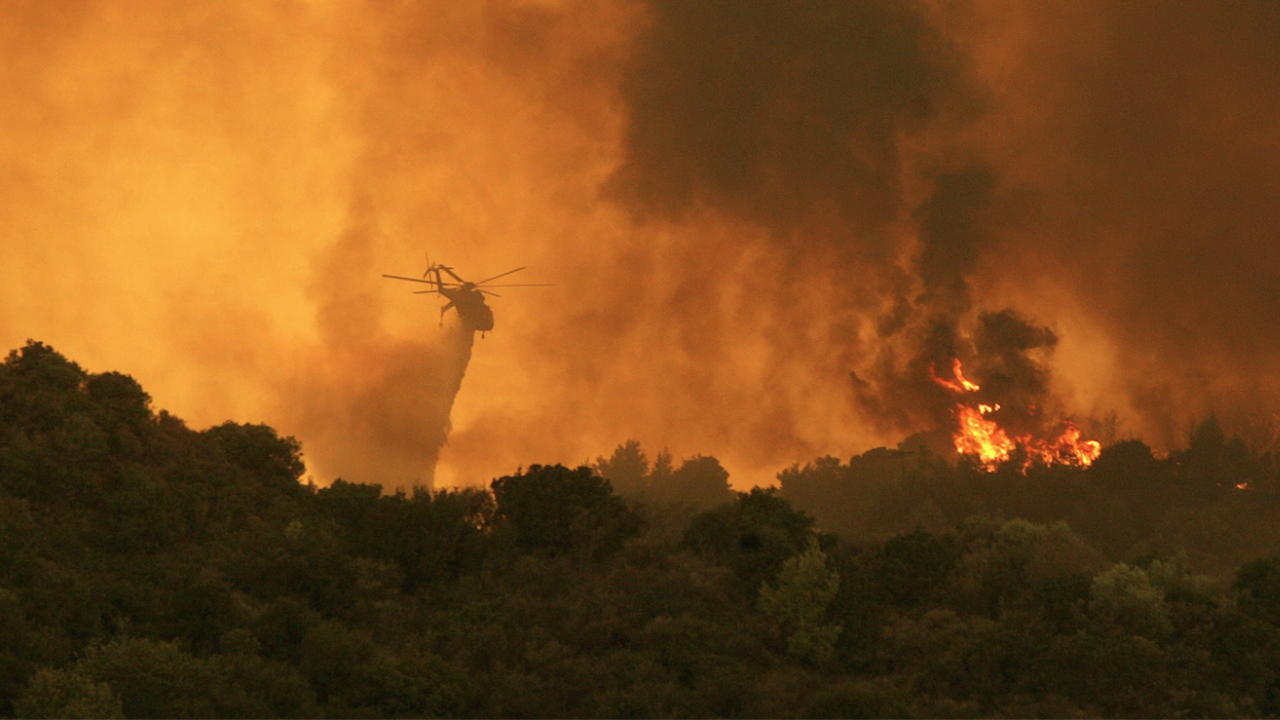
(151, 570)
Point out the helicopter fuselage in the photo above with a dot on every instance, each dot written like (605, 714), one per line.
(465, 297)
(470, 304)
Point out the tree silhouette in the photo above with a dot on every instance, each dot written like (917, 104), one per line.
(558, 510)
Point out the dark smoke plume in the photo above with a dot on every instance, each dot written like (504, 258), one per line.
(804, 118)
(791, 115)
(1121, 159)
(1148, 132)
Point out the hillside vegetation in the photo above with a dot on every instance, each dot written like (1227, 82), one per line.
(152, 570)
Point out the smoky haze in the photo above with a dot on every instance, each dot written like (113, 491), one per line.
(764, 222)
(1147, 132)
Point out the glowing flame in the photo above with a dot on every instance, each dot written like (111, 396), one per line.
(983, 438)
(960, 384)
(1067, 449)
(1242, 486)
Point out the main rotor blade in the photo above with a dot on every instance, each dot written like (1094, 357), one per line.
(425, 292)
(417, 280)
(426, 282)
(525, 285)
(495, 277)
(486, 292)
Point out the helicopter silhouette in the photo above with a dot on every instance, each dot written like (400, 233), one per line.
(464, 296)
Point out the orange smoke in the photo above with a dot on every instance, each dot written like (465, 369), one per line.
(742, 209)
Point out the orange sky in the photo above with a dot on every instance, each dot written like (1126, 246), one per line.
(738, 209)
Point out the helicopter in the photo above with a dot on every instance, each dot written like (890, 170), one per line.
(467, 297)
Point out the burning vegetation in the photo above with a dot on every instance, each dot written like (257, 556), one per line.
(979, 433)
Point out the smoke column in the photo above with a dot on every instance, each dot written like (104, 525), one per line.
(376, 407)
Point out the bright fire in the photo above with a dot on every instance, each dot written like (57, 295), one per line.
(960, 384)
(984, 438)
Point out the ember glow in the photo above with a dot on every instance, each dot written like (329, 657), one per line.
(982, 437)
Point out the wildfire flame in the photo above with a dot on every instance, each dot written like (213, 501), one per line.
(983, 437)
(960, 384)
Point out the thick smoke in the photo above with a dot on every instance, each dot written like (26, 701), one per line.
(1147, 131)
(791, 115)
(1105, 167)
(838, 129)
(203, 197)
(766, 222)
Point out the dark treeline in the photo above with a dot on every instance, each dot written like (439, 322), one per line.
(1217, 501)
(150, 570)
